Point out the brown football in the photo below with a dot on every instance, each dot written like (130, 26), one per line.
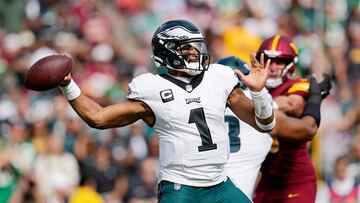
(47, 72)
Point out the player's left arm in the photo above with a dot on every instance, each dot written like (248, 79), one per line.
(242, 107)
(259, 112)
(304, 129)
(290, 128)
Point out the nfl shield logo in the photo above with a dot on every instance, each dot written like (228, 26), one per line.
(188, 88)
(177, 186)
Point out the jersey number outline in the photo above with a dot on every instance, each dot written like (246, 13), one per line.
(197, 116)
(234, 130)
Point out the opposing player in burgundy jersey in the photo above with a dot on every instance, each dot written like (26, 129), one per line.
(288, 175)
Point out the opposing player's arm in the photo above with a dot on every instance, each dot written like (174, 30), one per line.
(294, 129)
(292, 105)
(304, 129)
(96, 116)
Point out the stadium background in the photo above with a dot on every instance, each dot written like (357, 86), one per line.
(47, 152)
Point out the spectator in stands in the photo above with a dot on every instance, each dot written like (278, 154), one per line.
(119, 193)
(343, 188)
(144, 187)
(56, 171)
(86, 192)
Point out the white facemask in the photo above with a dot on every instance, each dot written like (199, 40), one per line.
(272, 83)
(193, 68)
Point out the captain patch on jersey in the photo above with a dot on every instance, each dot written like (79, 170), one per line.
(166, 95)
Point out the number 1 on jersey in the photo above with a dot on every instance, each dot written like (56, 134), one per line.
(197, 116)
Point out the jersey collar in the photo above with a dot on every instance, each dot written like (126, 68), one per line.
(189, 87)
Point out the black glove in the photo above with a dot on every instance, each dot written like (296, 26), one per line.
(325, 85)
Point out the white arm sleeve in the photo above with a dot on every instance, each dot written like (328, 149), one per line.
(263, 108)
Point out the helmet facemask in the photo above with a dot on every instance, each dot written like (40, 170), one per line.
(286, 73)
(192, 57)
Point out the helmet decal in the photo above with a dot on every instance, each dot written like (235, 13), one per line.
(179, 33)
(296, 50)
(275, 42)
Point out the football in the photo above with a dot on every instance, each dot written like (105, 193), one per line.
(47, 72)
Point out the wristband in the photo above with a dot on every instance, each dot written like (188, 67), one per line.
(262, 103)
(266, 127)
(71, 91)
(313, 110)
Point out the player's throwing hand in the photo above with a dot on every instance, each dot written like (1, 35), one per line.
(66, 80)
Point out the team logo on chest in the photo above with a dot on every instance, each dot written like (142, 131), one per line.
(167, 95)
(190, 100)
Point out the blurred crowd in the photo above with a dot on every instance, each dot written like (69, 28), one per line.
(48, 154)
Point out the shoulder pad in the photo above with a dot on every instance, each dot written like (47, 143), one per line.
(301, 85)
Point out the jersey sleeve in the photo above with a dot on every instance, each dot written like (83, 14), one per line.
(227, 77)
(133, 91)
(137, 88)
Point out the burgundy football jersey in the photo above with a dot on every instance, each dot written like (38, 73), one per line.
(291, 164)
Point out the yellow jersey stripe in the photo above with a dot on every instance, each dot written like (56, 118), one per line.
(299, 86)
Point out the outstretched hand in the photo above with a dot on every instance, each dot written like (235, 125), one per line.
(256, 79)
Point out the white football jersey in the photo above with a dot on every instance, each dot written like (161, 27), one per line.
(248, 149)
(189, 120)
